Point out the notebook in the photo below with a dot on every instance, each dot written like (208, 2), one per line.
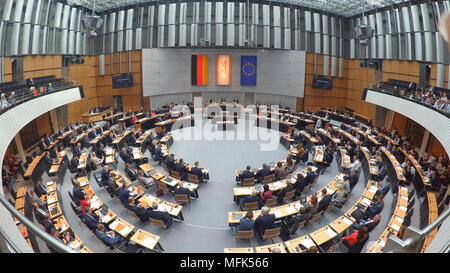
(237, 216)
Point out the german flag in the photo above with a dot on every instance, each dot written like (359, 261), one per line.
(199, 70)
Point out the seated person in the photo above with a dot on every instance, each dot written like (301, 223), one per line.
(353, 178)
(77, 150)
(280, 171)
(196, 170)
(370, 224)
(160, 215)
(141, 212)
(125, 156)
(289, 187)
(247, 173)
(39, 213)
(250, 199)
(124, 193)
(264, 221)
(181, 169)
(265, 171)
(132, 174)
(74, 164)
(304, 215)
(96, 160)
(355, 237)
(55, 234)
(158, 152)
(339, 197)
(110, 238)
(325, 202)
(40, 188)
(375, 208)
(106, 174)
(36, 199)
(267, 194)
(182, 190)
(84, 203)
(246, 223)
(90, 218)
(385, 189)
(147, 181)
(170, 162)
(290, 166)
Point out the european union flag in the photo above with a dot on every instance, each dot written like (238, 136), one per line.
(248, 70)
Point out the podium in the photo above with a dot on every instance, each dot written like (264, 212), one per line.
(88, 117)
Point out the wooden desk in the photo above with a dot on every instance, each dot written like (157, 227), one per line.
(122, 227)
(292, 246)
(61, 224)
(397, 167)
(88, 117)
(323, 235)
(328, 135)
(238, 250)
(20, 203)
(106, 219)
(319, 153)
(52, 197)
(173, 209)
(341, 224)
(145, 239)
(268, 248)
(83, 181)
(54, 210)
(21, 192)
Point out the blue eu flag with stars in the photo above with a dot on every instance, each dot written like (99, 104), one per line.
(248, 70)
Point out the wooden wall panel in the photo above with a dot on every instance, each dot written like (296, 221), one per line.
(43, 124)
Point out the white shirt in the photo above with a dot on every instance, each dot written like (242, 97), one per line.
(356, 165)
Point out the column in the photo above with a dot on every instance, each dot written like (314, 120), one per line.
(389, 119)
(54, 121)
(426, 135)
(20, 151)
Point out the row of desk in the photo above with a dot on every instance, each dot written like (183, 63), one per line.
(395, 223)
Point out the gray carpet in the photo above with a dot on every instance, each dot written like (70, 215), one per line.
(205, 228)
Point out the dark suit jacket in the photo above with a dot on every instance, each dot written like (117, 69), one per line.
(77, 194)
(159, 215)
(198, 172)
(39, 216)
(140, 211)
(105, 175)
(247, 174)
(264, 222)
(181, 169)
(91, 220)
(181, 190)
(263, 173)
(48, 160)
(106, 238)
(323, 204)
(53, 153)
(74, 164)
(124, 195)
(77, 151)
(40, 189)
(48, 225)
(169, 163)
(125, 157)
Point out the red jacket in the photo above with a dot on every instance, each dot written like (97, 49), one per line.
(84, 203)
(352, 238)
(266, 195)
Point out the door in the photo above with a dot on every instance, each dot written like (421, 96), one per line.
(249, 98)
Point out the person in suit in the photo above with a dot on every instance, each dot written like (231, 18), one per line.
(125, 156)
(132, 174)
(282, 193)
(42, 145)
(54, 152)
(300, 184)
(182, 190)
(48, 159)
(90, 218)
(246, 223)
(55, 234)
(100, 151)
(382, 172)
(92, 135)
(36, 199)
(180, 167)
(132, 139)
(326, 200)
(47, 140)
(106, 174)
(160, 215)
(158, 153)
(353, 178)
(265, 171)
(264, 221)
(109, 238)
(124, 194)
(141, 212)
(310, 175)
(170, 162)
(247, 173)
(40, 188)
(385, 189)
(370, 224)
(375, 208)
(77, 193)
(77, 150)
(197, 171)
(39, 213)
(47, 223)
(74, 163)
(303, 215)
(250, 199)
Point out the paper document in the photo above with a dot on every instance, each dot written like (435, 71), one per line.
(149, 242)
(307, 243)
(330, 232)
(347, 221)
(125, 230)
(291, 210)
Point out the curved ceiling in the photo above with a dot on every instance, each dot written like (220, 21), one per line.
(345, 8)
